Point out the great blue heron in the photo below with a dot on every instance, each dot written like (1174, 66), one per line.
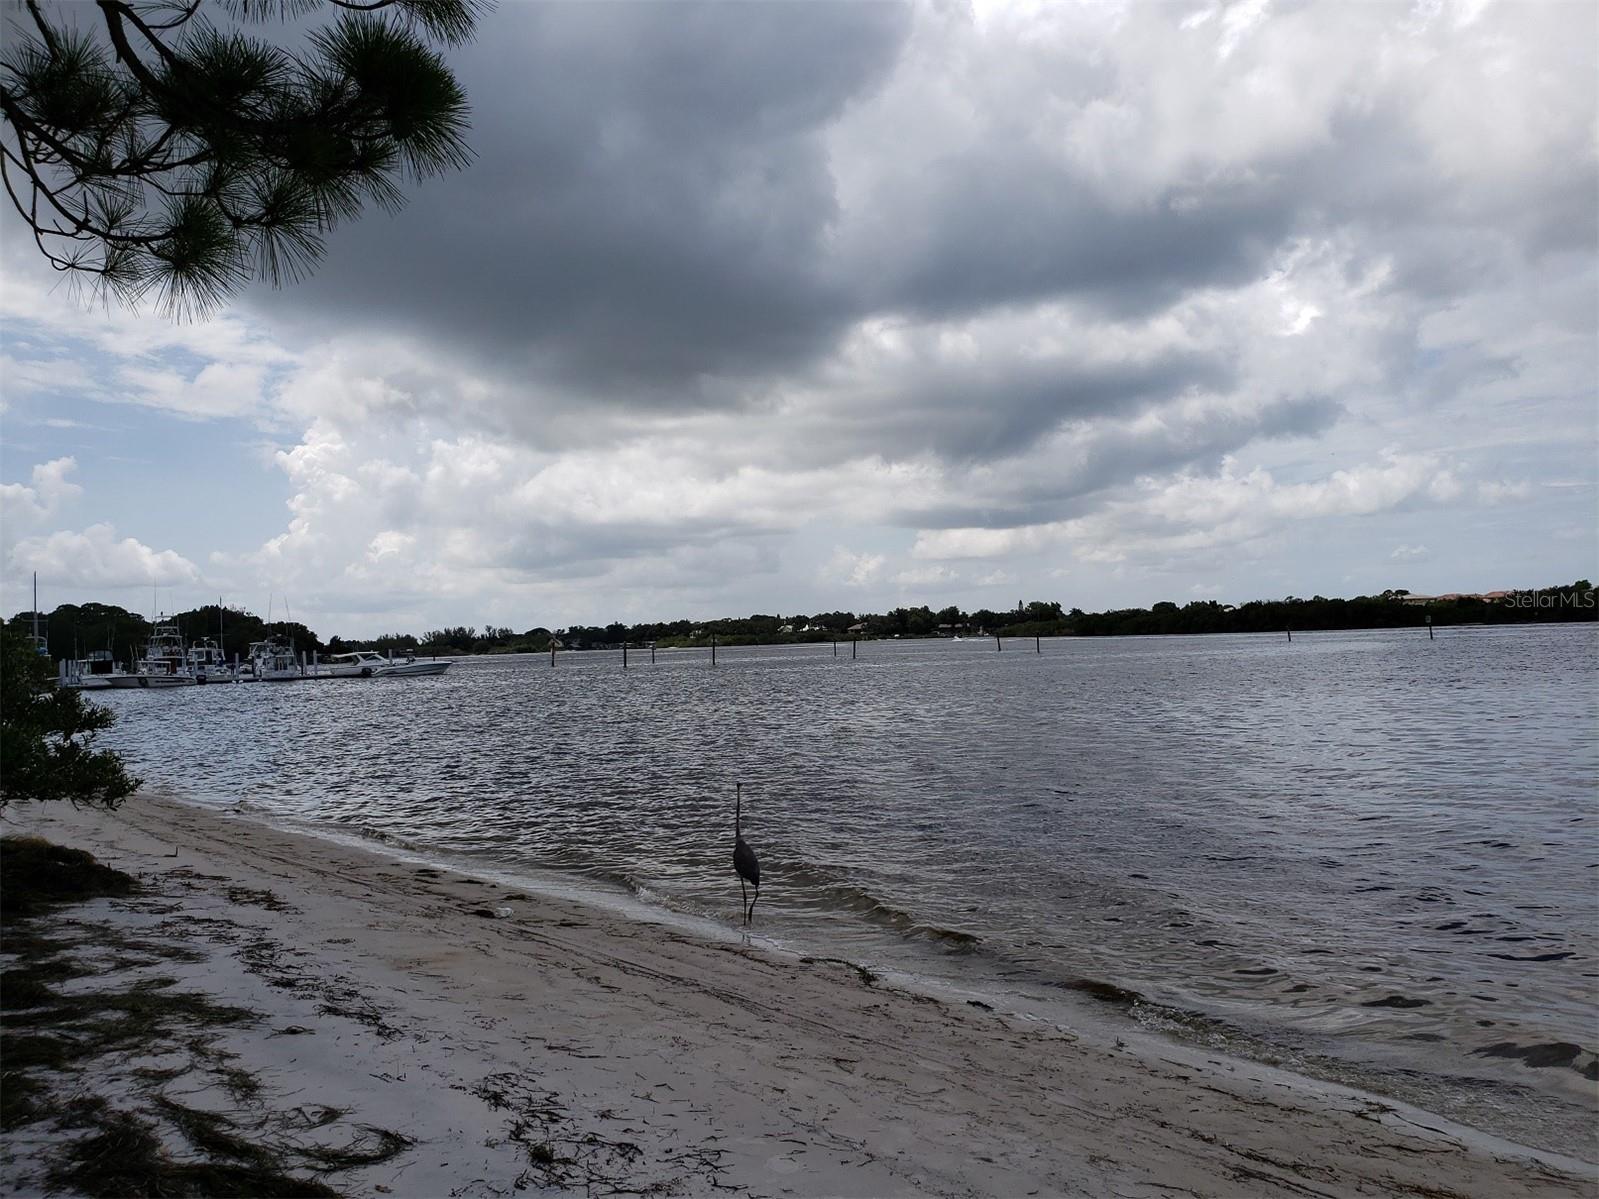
(744, 859)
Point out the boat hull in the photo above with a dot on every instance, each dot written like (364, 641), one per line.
(402, 670)
(152, 682)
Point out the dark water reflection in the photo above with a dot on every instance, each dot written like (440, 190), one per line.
(1368, 853)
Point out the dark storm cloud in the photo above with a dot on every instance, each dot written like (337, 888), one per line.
(651, 223)
(993, 410)
(1001, 225)
(654, 225)
(1025, 494)
(648, 206)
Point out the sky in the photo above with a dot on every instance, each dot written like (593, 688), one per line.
(789, 308)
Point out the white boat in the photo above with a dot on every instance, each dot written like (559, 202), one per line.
(164, 663)
(271, 661)
(366, 664)
(93, 673)
(208, 665)
(362, 664)
(408, 668)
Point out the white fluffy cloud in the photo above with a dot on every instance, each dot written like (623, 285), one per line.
(849, 568)
(23, 506)
(215, 390)
(96, 558)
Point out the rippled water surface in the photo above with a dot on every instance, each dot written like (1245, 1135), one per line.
(1369, 854)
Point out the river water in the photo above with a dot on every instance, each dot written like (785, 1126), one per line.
(1366, 855)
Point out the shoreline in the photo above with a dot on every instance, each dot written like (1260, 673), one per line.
(545, 1039)
(1504, 1107)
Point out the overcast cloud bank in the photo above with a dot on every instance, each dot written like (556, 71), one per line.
(790, 307)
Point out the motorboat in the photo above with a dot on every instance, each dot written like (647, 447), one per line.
(165, 663)
(208, 665)
(271, 661)
(409, 667)
(367, 664)
(93, 673)
(362, 664)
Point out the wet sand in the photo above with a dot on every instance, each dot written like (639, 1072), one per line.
(566, 1045)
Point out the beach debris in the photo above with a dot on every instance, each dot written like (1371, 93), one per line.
(561, 1150)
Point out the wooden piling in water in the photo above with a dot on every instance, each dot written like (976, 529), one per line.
(713, 651)
(1429, 626)
(552, 651)
(998, 647)
(852, 642)
(624, 655)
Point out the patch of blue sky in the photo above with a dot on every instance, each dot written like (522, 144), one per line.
(175, 479)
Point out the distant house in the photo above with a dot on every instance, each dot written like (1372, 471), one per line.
(858, 627)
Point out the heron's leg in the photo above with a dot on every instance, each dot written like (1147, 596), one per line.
(749, 913)
(745, 896)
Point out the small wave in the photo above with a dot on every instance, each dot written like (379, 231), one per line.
(369, 832)
(952, 937)
(1103, 991)
(624, 879)
(863, 903)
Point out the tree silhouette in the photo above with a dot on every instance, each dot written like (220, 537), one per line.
(151, 150)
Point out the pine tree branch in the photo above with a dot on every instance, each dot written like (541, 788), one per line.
(114, 11)
(45, 31)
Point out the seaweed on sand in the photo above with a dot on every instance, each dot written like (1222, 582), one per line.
(107, 1051)
(122, 1155)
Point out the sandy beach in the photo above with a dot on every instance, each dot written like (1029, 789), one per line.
(492, 1040)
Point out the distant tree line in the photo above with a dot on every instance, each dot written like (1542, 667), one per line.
(1391, 609)
(73, 630)
(77, 630)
